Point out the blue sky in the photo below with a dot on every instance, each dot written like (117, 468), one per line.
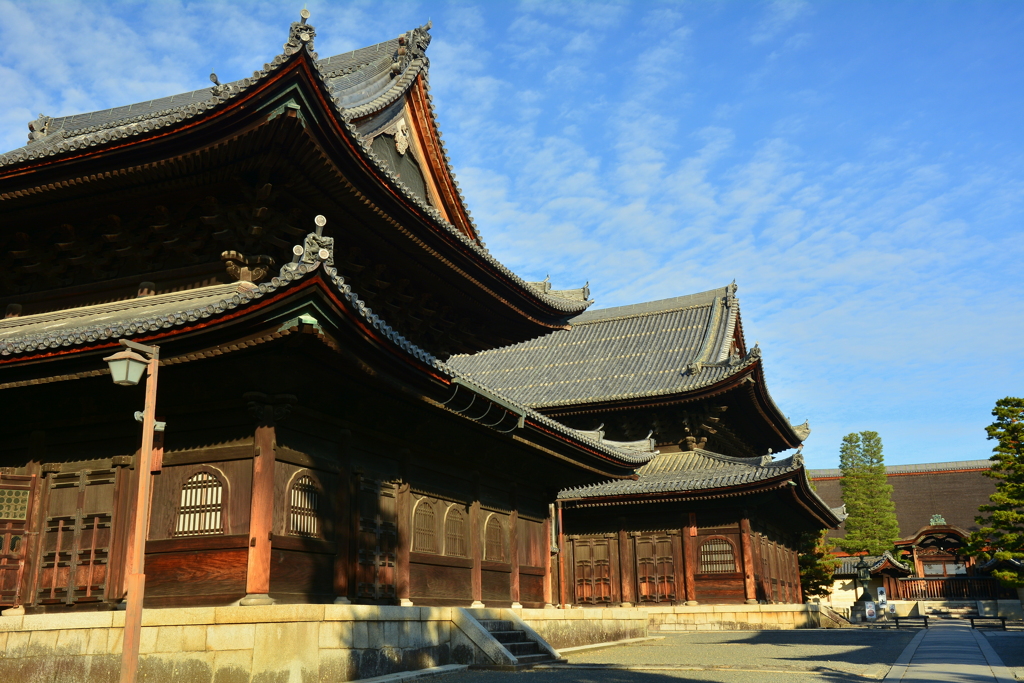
(857, 167)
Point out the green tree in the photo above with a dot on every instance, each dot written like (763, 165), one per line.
(1002, 532)
(817, 563)
(871, 525)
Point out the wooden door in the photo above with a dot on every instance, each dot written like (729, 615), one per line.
(17, 493)
(655, 569)
(593, 571)
(75, 547)
(378, 539)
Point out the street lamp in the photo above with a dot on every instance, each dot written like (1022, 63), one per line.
(126, 368)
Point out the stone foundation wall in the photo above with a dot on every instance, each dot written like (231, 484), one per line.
(732, 617)
(280, 643)
(575, 627)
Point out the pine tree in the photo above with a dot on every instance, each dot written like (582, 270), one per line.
(817, 563)
(871, 525)
(1002, 532)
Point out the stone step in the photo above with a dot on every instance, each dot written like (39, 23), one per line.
(493, 625)
(527, 648)
(535, 659)
(509, 636)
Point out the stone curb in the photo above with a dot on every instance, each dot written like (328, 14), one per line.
(1000, 672)
(899, 667)
(611, 643)
(412, 675)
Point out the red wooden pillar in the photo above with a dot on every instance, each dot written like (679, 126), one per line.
(404, 505)
(476, 554)
(749, 590)
(548, 558)
(627, 569)
(513, 551)
(679, 566)
(267, 410)
(689, 559)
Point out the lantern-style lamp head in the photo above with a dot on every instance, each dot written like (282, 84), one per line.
(863, 570)
(126, 367)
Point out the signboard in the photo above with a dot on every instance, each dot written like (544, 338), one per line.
(881, 598)
(869, 610)
(892, 608)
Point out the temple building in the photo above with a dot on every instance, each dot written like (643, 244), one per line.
(357, 401)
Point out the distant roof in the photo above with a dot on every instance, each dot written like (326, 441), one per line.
(650, 349)
(875, 563)
(691, 471)
(913, 469)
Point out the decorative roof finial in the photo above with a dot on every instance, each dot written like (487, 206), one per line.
(39, 128)
(320, 221)
(213, 77)
(300, 34)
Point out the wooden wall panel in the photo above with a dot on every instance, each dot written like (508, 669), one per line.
(531, 590)
(440, 582)
(298, 572)
(188, 577)
(724, 589)
(495, 586)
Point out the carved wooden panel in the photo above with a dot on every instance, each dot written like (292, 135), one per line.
(377, 542)
(593, 571)
(74, 552)
(17, 493)
(655, 568)
(439, 582)
(496, 586)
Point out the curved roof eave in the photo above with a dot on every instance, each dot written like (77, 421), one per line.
(124, 131)
(39, 338)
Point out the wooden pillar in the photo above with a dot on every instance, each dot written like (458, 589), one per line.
(679, 566)
(513, 551)
(345, 512)
(404, 505)
(689, 559)
(548, 558)
(476, 554)
(627, 569)
(267, 410)
(561, 557)
(749, 590)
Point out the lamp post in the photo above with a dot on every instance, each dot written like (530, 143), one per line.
(126, 368)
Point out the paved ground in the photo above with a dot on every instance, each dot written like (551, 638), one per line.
(815, 656)
(1009, 645)
(947, 653)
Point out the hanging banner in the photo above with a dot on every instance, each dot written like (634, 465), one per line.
(869, 610)
(881, 599)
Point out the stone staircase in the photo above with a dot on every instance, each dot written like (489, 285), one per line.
(518, 643)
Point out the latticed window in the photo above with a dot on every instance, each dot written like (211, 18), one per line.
(455, 533)
(424, 530)
(716, 555)
(201, 509)
(494, 549)
(303, 511)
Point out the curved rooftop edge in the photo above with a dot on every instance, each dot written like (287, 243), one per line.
(68, 331)
(922, 468)
(661, 351)
(699, 474)
(357, 84)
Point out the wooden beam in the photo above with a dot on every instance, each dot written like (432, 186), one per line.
(690, 559)
(404, 522)
(627, 569)
(261, 513)
(749, 590)
(476, 554)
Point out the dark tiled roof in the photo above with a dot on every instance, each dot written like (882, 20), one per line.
(958, 465)
(362, 82)
(692, 471)
(875, 562)
(657, 348)
(145, 315)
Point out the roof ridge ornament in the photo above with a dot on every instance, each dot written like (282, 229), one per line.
(300, 34)
(39, 128)
(314, 250)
